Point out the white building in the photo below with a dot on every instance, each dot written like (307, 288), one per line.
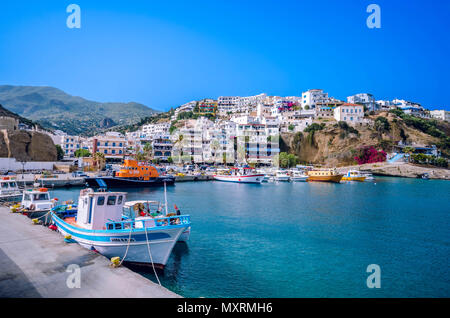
(70, 144)
(227, 104)
(314, 96)
(440, 114)
(156, 129)
(350, 113)
(365, 99)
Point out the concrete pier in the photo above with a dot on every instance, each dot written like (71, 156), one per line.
(34, 262)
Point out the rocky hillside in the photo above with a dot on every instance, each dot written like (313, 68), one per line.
(55, 109)
(27, 146)
(334, 144)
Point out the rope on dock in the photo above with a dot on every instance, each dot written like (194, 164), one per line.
(128, 245)
(151, 257)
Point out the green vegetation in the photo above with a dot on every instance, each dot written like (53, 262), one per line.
(427, 126)
(59, 152)
(291, 127)
(313, 127)
(421, 158)
(194, 115)
(54, 109)
(382, 125)
(82, 153)
(287, 160)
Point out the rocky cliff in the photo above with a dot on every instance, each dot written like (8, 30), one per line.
(335, 145)
(27, 146)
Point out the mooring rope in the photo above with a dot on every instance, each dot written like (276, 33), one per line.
(128, 245)
(151, 257)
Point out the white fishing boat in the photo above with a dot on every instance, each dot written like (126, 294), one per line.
(101, 224)
(9, 190)
(239, 175)
(299, 176)
(282, 175)
(35, 203)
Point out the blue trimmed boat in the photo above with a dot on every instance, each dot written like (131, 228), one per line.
(100, 224)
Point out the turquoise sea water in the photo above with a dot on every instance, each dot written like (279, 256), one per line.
(308, 239)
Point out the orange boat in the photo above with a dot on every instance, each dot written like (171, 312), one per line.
(325, 175)
(133, 173)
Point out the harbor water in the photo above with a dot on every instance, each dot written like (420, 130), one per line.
(308, 239)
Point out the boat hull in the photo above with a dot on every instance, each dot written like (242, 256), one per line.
(334, 179)
(300, 179)
(255, 178)
(359, 179)
(114, 243)
(114, 182)
(283, 178)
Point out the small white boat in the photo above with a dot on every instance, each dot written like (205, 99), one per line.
(368, 176)
(240, 175)
(36, 202)
(9, 191)
(299, 176)
(106, 224)
(282, 175)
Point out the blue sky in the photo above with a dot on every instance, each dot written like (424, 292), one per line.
(165, 53)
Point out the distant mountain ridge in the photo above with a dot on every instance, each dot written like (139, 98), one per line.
(54, 109)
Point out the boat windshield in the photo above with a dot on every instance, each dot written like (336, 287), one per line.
(41, 197)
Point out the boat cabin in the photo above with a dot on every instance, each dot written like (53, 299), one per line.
(95, 209)
(8, 185)
(134, 169)
(37, 199)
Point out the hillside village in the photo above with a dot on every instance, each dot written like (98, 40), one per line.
(260, 130)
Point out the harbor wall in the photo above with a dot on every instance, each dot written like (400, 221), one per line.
(11, 164)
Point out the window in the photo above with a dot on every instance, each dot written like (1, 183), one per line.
(101, 200)
(119, 201)
(111, 200)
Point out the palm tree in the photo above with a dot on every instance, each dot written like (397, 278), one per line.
(99, 159)
(180, 141)
(148, 151)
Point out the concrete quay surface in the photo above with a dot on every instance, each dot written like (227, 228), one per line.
(35, 262)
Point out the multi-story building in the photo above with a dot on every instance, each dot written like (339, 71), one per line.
(350, 113)
(70, 144)
(440, 114)
(188, 107)
(112, 144)
(364, 99)
(156, 129)
(162, 147)
(207, 105)
(313, 97)
(227, 104)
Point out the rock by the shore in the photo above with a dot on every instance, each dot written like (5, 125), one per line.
(27, 146)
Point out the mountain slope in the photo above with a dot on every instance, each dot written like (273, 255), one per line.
(55, 109)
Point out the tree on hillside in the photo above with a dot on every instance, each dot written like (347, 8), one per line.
(82, 153)
(59, 152)
(99, 160)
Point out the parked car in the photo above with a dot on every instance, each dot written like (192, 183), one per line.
(79, 174)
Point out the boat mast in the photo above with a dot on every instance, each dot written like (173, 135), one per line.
(165, 197)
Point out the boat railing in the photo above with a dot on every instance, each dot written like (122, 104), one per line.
(149, 222)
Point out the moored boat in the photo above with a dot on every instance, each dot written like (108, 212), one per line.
(324, 175)
(101, 224)
(134, 174)
(239, 175)
(353, 175)
(299, 176)
(35, 203)
(282, 175)
(9, 190)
